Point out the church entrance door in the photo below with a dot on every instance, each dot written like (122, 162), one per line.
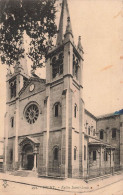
(28, 157)
(28, 153)
(30, 161)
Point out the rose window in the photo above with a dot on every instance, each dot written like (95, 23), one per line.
(32, 113)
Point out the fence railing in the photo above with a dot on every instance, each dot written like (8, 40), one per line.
(89, 173)
(75, 173)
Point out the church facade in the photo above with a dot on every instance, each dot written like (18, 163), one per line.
(47, 128)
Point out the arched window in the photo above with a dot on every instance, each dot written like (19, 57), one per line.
(84, 152)
(89, 131)
(113, 133)
(11, 155)
(105, 156)
(75, 110)
(101, 134)
(13, 88)
(55, 153)
(56, 108)
(75, 151)
(54, 67)
(57, 65)
(61, 63)
(75, 66)
(12, 122)
(94, 155)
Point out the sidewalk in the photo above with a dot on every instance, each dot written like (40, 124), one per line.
(67, 185)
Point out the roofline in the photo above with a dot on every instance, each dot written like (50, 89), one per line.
(110, 115)
(86, 111)
(107, 116)
(101, 144)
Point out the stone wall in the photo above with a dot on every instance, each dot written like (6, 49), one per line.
(107, 125)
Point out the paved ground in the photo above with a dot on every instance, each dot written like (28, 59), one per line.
(15, 185)
(19, 189)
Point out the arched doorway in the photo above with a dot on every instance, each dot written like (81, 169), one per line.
(28, 157)
(29, 148)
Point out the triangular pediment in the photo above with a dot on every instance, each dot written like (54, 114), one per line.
(38, 85)
(29, 140)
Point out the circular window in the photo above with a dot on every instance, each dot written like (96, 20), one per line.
(32, 113)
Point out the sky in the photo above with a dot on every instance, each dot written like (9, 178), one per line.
(100, 25)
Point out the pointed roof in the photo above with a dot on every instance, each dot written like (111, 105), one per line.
(68, 27)
(21, 66)
(63, 22)
(79, 46)
(23, 63)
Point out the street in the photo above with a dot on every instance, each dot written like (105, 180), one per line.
(12, 188)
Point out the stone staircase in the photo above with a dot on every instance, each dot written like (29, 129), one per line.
(24, 173)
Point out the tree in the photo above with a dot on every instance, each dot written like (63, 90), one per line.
(36, 18)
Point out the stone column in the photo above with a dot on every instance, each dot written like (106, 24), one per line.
(66, 135)
(16, 135)
(21, 161)
(47, 134)
(35, 162)
(35, 158)
(101, 160)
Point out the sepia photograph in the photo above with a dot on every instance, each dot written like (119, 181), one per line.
(61, 97)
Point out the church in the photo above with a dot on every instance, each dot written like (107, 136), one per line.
(47, 128)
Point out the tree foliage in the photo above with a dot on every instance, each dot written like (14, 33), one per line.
(36, 18)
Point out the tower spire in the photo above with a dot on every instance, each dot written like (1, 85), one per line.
(79, 46)
(68, 27)
(21, 66)
(63, 22)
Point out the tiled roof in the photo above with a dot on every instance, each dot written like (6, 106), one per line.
(98, 142)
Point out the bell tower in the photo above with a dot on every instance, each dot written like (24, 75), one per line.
(65, 58)
(14, 83)
(64, 69)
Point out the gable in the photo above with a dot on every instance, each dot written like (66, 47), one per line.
(33, 86)
(29, 140)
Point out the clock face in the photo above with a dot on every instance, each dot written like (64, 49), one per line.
(32, 87)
